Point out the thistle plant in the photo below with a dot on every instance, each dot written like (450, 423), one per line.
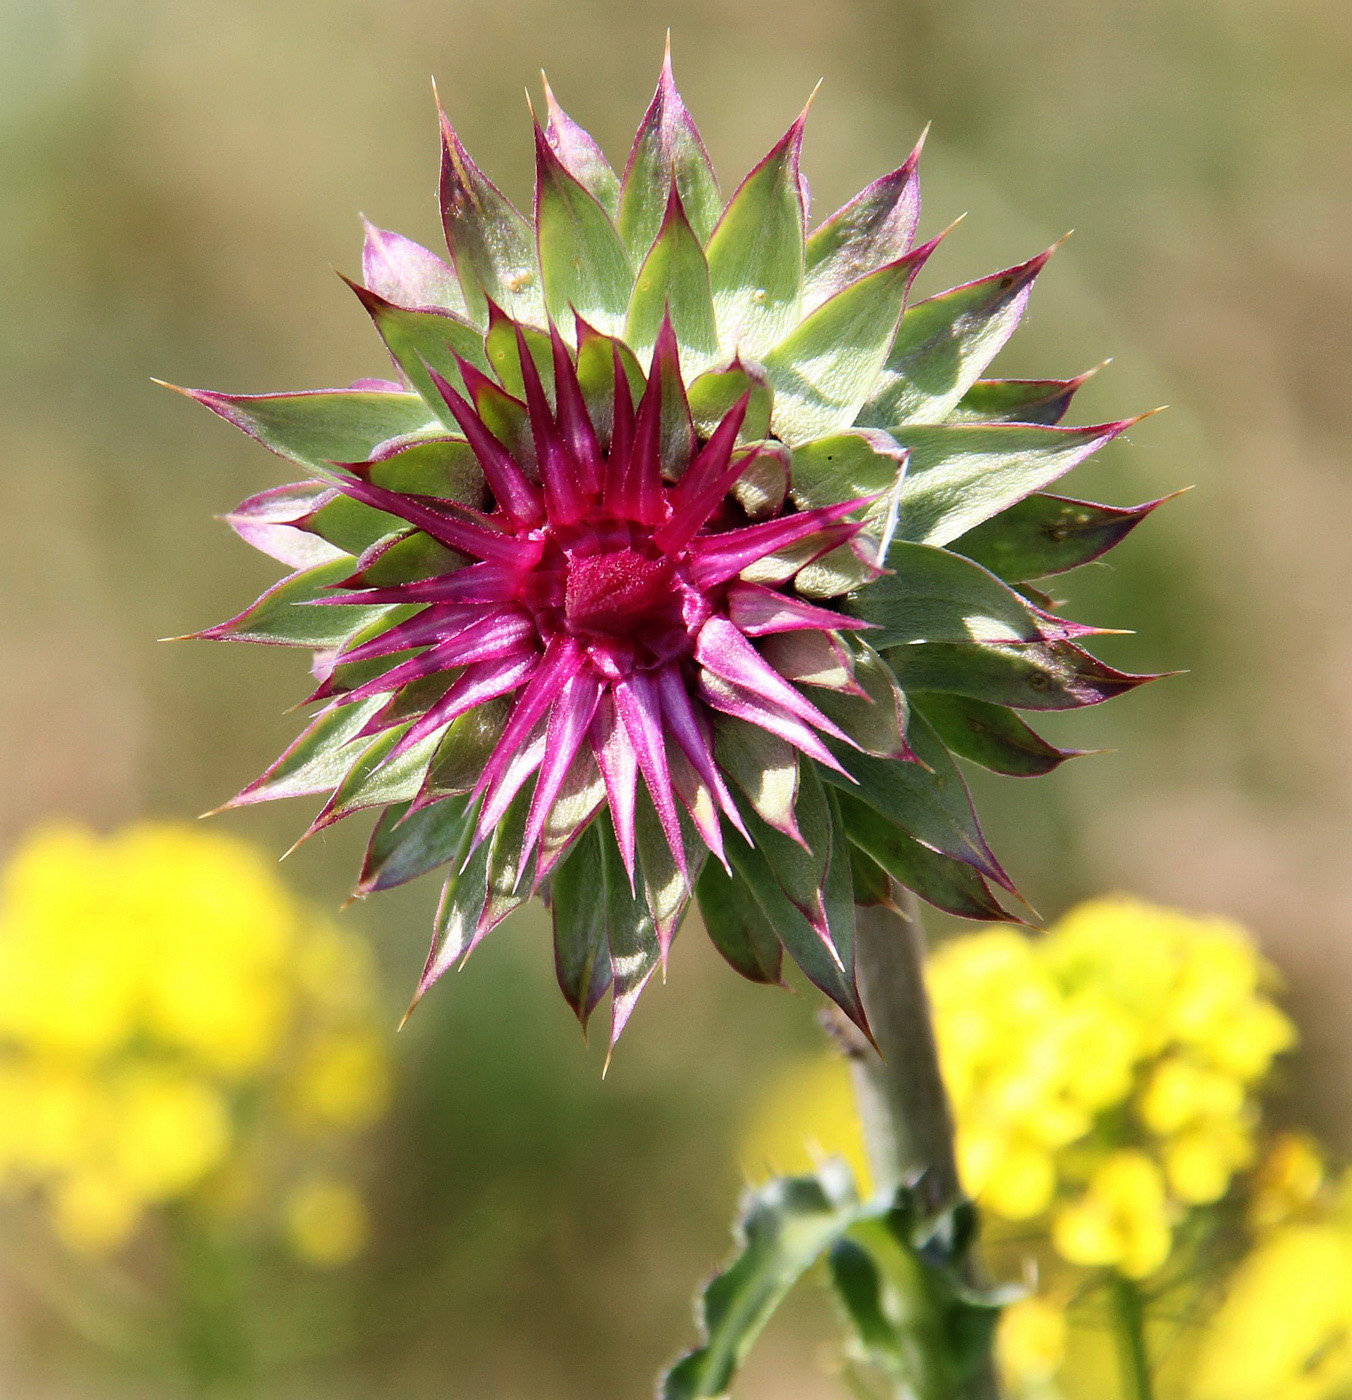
(680, 558)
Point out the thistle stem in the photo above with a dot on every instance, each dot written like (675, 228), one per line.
(1133, 1358)
(903, 1105)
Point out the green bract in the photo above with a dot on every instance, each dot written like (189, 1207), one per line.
(680, 556)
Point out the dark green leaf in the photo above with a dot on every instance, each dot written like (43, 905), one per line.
(825, 953)
(455, 930)
(991, 735)
(932, 595)
(786, 1226)
(1017, 400)
(404, 846)
(464, 750)
(376, 779)
(928, 799)
(1046, 535)
(1035, 676)
(511, 878)
(860, 1288)
(950, 885)
(876, 720)
(581, 930)
(737, 925)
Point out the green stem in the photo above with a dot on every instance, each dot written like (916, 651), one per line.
(903, 1105)
(215, 1354)
(1133, 1357)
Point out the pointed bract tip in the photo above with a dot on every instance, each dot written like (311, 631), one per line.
(913, 159)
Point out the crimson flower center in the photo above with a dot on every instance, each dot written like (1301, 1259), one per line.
(615, 592)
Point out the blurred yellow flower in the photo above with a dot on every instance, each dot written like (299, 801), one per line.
(1106, 1073)
(1284, 1331)
(168, 1013)
(326, 1222)
(806, 1115)
(1031, 1343)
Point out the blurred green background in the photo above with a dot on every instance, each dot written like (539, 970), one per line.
(180, 178)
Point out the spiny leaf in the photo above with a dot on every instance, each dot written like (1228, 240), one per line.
(877, 719)
(596, 375)
(423, 340)
(378, 779)
(583, 261)
(964, 473)
(407, 844)
(1044, 676)
(407, 274)
(275, 522)
(580, 155)
(314, 763)
(785, 1227)
(931, 595)
(317, 427)
(667, 148)
(928, 799)
(944, 344)
(737, 925)
(827, 961)
(823, 370)
(492, 246)
(674, 280)
(282, 617)
(845, 467)
(634, 947)
(462, 900)
(756, 252)
(763, 766)
(991, 735)
(581, 933)
(1018, 400)
(713, 394)
(948, 884)
(1044, 535)
(877, 226)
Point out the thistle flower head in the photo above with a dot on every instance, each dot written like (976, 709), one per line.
(680, 558)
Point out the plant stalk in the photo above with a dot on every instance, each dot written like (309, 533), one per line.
(1133, 1357)
(903, 1105)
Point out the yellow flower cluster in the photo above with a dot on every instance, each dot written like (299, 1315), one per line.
(1105, 1080)
(1105, 1074)
(169, 1017)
